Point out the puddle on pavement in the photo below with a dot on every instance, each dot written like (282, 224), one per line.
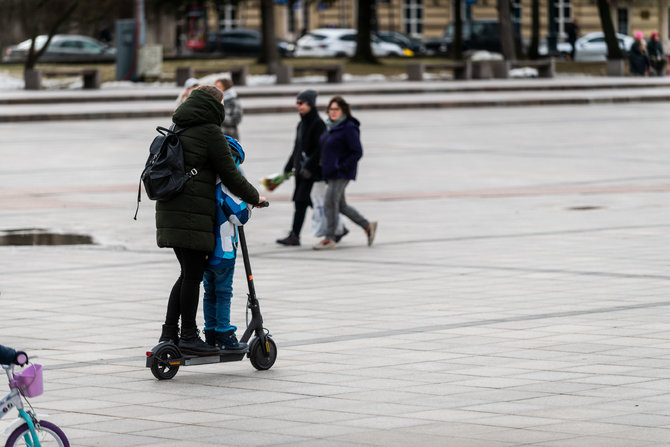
(40, 236)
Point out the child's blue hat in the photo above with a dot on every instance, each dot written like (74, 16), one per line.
(235, 148)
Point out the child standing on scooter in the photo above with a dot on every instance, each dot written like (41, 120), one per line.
(231, 212)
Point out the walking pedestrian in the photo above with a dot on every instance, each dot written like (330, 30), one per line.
(656, 57)
(340, 151)
(233, 107)
(190, 85)
(572, 29)
(304, 161)
(186, 222)
(638, 56)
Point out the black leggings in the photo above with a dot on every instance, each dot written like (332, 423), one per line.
(185, 293)
(299, 216)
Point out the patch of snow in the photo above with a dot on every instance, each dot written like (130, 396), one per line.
(9, 82)
(523, 72)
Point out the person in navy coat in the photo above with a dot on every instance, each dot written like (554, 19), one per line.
(341, 150)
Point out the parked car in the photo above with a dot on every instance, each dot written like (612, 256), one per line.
(242, 42)
(476, 34)
(63, 48)
(415, 48)
(590, 47)
(339, 42)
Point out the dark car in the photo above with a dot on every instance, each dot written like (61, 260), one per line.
(403, 41)
(242, 42)
(477, 35)
(63, 48)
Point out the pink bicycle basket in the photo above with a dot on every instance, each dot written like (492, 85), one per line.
(29, 381)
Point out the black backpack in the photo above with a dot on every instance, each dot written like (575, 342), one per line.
(164, 175)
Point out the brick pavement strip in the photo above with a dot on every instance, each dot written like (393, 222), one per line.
(535, 316)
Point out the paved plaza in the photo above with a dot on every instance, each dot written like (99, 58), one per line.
(516, 295)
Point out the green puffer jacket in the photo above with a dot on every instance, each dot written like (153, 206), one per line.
(188, 220)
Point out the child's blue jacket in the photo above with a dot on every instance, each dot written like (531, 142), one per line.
(231, 212)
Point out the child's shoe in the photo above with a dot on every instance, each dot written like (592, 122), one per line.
(227, 341)
(371, 230)
(210, 337)
(291, 240)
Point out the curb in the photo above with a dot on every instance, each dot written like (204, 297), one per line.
(396, 105)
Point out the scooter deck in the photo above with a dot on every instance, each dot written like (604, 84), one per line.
(188, 360)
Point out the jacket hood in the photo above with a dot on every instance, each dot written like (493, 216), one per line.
(199, 108)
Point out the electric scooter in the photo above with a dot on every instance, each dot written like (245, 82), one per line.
(166, 358)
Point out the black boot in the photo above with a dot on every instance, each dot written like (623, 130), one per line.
(227, 341)
(191, 343)
(210, 337)
(170, 333)
(291, 239)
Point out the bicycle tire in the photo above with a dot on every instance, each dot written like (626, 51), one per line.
(48, 433)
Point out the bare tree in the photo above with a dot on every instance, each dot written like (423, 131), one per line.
(533, 52)
(457, 42)
(363, 37)
(269, 52)
(506, 30)
(613, 49)
(44, 17)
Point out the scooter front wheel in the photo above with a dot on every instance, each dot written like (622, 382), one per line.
(49, 434)
(165, 362)
(257, 355)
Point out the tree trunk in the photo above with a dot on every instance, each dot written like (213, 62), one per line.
(363, 52)
(506, 30)
(33, 56)
(269, 52)
(533, 52)
(613, 49)
(457, 51)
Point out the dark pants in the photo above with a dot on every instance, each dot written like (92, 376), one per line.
(185, 293)
(299, 216)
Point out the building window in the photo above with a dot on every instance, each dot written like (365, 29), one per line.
(413, 17)
(228, 17)
(563, 15)
(622, 20)
(516, 16)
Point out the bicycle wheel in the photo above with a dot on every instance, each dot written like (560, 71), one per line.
(48, 434)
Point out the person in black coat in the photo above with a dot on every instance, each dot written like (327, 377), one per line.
(638, 57)
(304, 161)
(656, 56)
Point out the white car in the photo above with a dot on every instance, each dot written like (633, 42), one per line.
(590, 47)
(338, 42)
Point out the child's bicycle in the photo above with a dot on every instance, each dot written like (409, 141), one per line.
(31, 432)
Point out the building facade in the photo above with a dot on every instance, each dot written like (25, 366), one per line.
(428, 18)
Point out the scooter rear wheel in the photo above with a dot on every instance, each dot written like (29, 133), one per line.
(257, 356)
(165, 362)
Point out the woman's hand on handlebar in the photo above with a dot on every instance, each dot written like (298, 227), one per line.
(262, 202)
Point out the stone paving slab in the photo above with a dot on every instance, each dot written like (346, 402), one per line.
(515, 296)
